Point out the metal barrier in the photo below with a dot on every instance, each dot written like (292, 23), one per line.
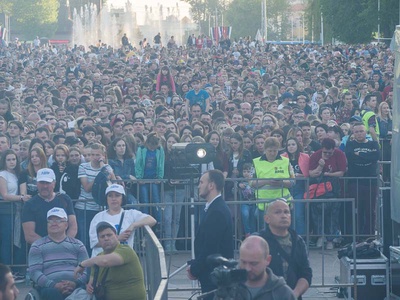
(153, 262)
(180, 226)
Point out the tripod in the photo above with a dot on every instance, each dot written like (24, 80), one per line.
(191, 172)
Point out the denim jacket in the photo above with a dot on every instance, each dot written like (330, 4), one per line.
(123, 169)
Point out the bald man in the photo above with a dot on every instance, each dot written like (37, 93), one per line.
(261, 282)
(288, 250)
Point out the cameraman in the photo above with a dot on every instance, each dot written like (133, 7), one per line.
(262, 283)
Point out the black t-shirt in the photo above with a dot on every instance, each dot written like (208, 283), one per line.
(30, 181)
(35, 210)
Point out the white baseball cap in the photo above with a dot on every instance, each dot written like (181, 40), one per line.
(57, 212)
(116, 188)
(46, 175)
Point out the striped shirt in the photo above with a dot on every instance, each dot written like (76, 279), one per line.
(87, 171)
(51, 262)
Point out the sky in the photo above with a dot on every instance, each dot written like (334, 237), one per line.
(139, 6)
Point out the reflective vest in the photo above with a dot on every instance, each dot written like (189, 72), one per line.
(366, 115)
(279, 168)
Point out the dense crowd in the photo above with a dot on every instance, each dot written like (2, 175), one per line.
(79, 111)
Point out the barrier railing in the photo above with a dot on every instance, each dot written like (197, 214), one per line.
(178, 230)
(154, 265)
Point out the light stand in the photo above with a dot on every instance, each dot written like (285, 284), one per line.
(186, 155)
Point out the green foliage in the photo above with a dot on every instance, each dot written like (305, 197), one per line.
(245, 18)
(353, 21)
(6, 6)
(33, 18)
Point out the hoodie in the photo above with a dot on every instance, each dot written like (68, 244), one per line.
(274, 289)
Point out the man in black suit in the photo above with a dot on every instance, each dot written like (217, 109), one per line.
(214, 235)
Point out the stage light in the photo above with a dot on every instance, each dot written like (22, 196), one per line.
(201, 153)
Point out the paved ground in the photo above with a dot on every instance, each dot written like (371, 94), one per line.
(322, 263)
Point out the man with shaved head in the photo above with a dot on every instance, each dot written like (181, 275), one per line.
(288, 250)
(261, 282)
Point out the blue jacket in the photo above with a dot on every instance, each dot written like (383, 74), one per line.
(141, 161)
(124, 169)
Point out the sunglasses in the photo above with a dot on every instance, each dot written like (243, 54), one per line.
(230, 108)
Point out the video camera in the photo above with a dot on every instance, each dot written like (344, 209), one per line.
(226, 276)
(226, 273)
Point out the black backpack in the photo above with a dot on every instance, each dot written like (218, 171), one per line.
(99, 187)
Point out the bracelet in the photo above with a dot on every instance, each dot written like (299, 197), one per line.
(80, 266)
(21, 198)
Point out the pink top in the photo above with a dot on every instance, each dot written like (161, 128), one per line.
(304, 161)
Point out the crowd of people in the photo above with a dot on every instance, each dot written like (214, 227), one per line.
(290, 113)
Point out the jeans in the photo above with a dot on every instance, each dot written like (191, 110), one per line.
(147, 191)
(365, 196)
(331, 222)
(47, 293)
(299, 223)
(172, 213)
(84, 225)
(6, 240)
(249, 218)
(260, 219)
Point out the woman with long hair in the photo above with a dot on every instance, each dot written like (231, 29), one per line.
(238, 156)
(299, 162)
(295, 132)
(165, 77)
(221, 159)
(37, 160)
(121, 160)
(13, 194)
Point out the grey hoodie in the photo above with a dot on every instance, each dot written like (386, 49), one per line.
(274, 289)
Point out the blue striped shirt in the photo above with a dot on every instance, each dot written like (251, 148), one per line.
(51, 262)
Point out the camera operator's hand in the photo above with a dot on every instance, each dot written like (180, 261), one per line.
(189, 274)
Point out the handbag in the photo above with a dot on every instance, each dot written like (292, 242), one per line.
(100, 289)
(320, 189)
(80, 294)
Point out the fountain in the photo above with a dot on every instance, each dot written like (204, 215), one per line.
(109, 25)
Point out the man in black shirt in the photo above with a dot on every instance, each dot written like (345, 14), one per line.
(288, 250)
(34, 213)
(362, 157)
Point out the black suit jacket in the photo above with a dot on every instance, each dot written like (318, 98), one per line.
(214, 236)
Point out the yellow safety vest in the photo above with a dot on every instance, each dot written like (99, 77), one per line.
(279, 168)
(366, 115)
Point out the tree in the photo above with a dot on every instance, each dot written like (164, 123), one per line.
(6, 7)
(32, 18)
(353, 21)
(245, 18)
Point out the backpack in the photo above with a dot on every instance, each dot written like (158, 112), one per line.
(99, 187)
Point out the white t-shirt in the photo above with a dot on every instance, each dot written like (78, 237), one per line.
(12, 182)
(131, 216)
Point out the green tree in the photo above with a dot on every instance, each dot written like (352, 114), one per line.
(245, 18)
(353, 21)
(6, 6)
(33, 18)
